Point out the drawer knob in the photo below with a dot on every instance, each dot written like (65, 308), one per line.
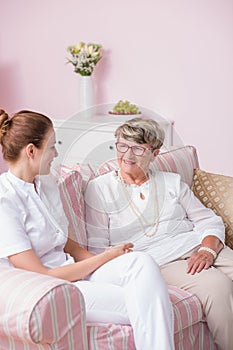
(111, 147)
(59, 142)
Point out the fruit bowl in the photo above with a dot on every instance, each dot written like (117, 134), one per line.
(124, 110)
(124, 117)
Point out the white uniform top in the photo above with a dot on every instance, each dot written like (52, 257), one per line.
(32, 220)
(183, 221)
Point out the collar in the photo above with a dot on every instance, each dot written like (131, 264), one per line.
(23, 184)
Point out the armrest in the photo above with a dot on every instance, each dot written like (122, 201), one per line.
(40, 309)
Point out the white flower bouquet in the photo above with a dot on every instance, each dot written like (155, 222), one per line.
(84, 57)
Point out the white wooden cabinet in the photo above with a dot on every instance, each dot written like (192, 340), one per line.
(89, 138)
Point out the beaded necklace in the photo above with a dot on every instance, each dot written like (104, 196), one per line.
(143, 221)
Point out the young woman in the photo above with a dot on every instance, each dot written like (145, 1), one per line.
(119, 286)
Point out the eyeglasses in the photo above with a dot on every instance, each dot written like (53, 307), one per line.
(137, 150)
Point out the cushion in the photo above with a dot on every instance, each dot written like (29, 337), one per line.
(182, 160)
(215, 191)
(71, 183)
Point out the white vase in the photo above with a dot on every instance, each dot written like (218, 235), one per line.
(86, 92)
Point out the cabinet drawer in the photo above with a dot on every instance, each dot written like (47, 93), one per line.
(90, 146)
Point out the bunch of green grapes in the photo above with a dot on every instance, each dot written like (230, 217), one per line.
(125, 107)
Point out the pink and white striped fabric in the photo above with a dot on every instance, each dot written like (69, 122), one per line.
(39, 312)
(190, 330)
(181, 160)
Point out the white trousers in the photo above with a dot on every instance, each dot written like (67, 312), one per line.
(130, 290)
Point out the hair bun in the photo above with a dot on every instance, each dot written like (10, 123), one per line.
(2, 112)
(4, 121)
(3, 116)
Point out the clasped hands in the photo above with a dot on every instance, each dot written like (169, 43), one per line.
(119, 249)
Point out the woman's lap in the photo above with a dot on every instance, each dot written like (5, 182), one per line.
(104, 302)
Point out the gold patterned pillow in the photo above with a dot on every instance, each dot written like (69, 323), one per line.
(216, 192)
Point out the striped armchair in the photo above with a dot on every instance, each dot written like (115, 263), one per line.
(39, 312)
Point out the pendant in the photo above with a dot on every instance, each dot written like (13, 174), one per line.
(142, 196)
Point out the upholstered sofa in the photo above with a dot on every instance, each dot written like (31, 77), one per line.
(40, 312)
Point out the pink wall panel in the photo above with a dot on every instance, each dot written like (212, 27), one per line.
(174, 57)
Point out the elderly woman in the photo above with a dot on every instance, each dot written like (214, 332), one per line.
(118, 286)
(162, 217)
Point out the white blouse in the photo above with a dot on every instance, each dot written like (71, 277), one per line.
(183, 222)
(32, 220)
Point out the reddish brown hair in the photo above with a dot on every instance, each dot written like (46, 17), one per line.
(23, 128)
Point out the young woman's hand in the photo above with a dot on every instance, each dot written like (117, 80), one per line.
(87, 263)
(118, 250)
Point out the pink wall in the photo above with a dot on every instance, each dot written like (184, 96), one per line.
(174, 57)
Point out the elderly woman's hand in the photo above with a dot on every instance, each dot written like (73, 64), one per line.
(118, 250)
(199, 261)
